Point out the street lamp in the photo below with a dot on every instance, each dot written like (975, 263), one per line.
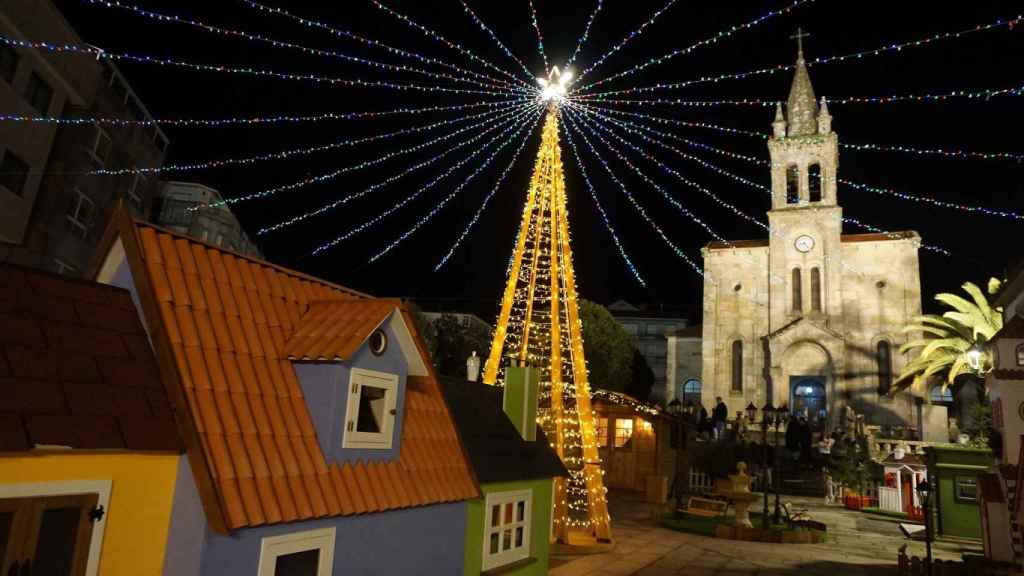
(675, 410)
(751, 412)
(925, 488)
(781, 415)
(767, 418)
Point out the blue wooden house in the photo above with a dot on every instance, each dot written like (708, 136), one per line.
(318, 442)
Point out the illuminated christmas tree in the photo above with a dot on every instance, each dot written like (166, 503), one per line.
(539, 324)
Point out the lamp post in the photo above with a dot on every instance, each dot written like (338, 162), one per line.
(781, 415)
(675, 410)
(925, 488)
(974, 355)
(767, 419)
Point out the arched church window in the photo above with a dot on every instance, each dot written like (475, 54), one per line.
(792, 184)
(816, 289)
(737, 366)
(691, 392)
(814, 182)
(883, 356)
(1020, 355)
(798, 296)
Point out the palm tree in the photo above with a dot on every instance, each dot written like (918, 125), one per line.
(949, 338)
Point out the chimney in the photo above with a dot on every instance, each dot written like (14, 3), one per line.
(520, 398)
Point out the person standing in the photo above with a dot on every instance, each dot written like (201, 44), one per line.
(830, 495)
(718, 417)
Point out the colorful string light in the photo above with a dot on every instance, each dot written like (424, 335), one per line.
(540, 37)
(258, 120)
(603, 214)
(438, 38)
(483, 205)
(334, 174)
(284, 154)
(288, 45)
(718, 200)
(711, 40)
(422, 221)
(767, 103)
(629, 37)
(954, 153)
(668, 197)
(640, 209)
(494, 37)
(895, 236)
(586, 34)
(508, 124)
(257, 72)
(999, 23)
(932, 201)
(374, 43)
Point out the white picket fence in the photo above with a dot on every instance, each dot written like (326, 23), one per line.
(700, 481)
(889, 499)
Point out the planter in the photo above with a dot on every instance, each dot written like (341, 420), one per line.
(857, 502)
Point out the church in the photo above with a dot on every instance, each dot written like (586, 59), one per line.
(809, 317)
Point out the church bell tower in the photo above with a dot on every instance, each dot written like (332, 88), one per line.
(805, 218)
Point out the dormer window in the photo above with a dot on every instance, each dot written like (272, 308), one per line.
(370, 413)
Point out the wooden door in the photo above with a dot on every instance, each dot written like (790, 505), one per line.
(46, 535)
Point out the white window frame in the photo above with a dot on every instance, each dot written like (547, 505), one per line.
(63, 267)
(513, 554)
(74, 215)
(69, 488)
(138, 181)
(273, 546)
(375, 440)
(94, 149)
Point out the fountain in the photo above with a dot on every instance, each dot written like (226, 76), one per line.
(737, 489)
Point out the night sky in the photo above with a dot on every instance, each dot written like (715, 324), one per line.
(983, 245)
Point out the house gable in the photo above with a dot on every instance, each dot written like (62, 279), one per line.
(219, 323)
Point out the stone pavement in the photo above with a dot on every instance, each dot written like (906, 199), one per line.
(858, 544)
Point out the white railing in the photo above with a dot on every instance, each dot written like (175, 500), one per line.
(700, 481)
(889, 499)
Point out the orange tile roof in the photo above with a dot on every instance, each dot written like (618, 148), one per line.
(334, 330)
(231, 323)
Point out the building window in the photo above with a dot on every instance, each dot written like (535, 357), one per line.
(798, 295)
(100, 149)
(136, 188)
(82, 213)
(737, 366)
(792, 184)
(38, 94)
(370, 414)
(8, 63)
(507, 528)
(883, 356)
(942, 395)
(691, 392)
(966, 488)
(308, 553)
(623, 431)
(602, 432)
(59, 527)
(814, 182)
(63, 267)
(816, 289)
(13, 173)
(1020, 355)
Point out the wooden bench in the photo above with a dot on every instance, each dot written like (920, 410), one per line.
(705, 507)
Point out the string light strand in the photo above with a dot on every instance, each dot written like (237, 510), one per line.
(629, 37)
(586, 33)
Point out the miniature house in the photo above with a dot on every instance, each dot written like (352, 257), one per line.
(903, 471)
(632, 439)
(318, 440)
(508, 529)
(89, 450)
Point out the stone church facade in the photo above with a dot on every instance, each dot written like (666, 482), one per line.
(810, 317)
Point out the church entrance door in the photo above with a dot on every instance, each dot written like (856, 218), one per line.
(807, 398)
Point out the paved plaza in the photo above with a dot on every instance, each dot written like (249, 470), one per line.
(858, 544)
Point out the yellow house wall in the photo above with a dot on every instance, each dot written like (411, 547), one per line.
(141, 494)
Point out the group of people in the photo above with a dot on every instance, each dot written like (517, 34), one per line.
(711, 427)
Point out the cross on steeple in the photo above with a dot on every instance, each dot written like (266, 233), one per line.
(799, 37)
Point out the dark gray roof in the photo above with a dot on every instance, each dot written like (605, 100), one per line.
(496, 450)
